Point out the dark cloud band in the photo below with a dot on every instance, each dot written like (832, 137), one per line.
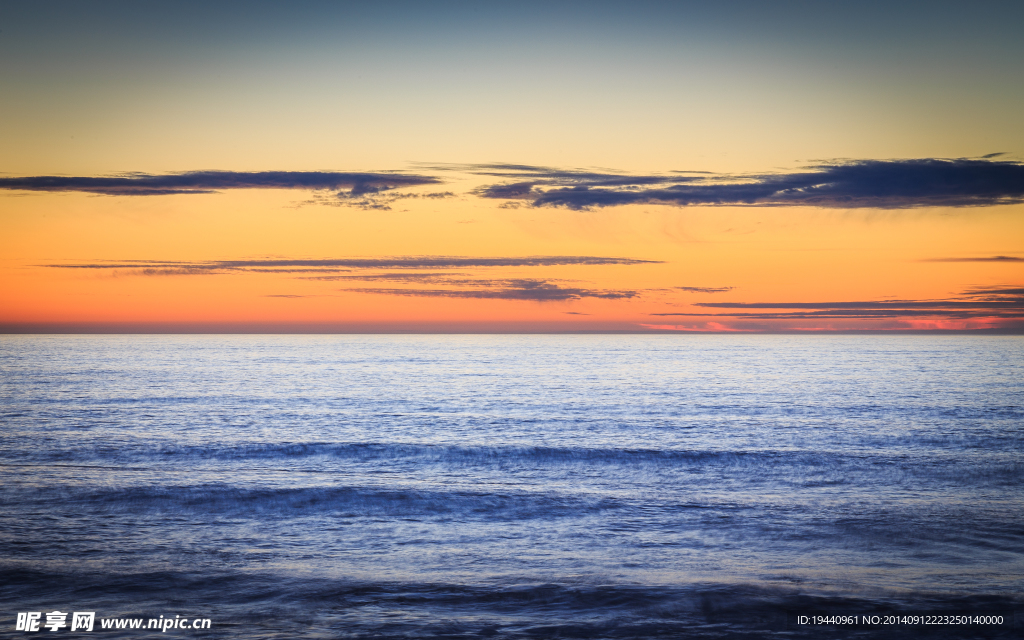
(138, 184)
(885, 184)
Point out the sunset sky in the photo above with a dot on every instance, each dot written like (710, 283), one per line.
(549, 166)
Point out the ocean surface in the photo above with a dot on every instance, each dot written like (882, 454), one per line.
(606, 486)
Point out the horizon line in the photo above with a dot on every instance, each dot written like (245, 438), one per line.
(204, 329)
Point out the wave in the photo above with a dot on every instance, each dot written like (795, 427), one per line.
(264, 605)
(806, 468)
(375, 451)
(228, 500)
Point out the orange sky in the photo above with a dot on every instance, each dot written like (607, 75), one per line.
(751, 254)
(615, 96)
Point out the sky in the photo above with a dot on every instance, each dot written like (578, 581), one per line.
(511, 167)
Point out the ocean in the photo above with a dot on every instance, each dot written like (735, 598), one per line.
(516, 486)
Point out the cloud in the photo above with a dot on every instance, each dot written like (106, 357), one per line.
(885, 184)
(378, 200)
(705, 289)
(982, 302)
(142, 184)
(870, 305)
(335, 265)
(515, 289)
(411, 270)
(862, 313)
(980, 259)
(998, 293)
(431, 277)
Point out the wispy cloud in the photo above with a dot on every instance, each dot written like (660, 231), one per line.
(514, 289)
(408, 270)
(380, 200)
(886, 184)
(705, 289)
(142, 184)
(978, 259)
(416, 277)
(984, 302)
(339, 265)
(996, 293)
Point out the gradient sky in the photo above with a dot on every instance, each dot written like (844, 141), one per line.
(734, 166)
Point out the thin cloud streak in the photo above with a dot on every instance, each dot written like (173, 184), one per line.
(861, 313)
(429, 277)
(516, 289)
(1012, 290)
(882, 184)
(334, 265)
(705, 289)
(883, 305)
(198, 182)
(983, 259)
(1006, 302)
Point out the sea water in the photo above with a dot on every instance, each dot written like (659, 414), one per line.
(618, 486)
